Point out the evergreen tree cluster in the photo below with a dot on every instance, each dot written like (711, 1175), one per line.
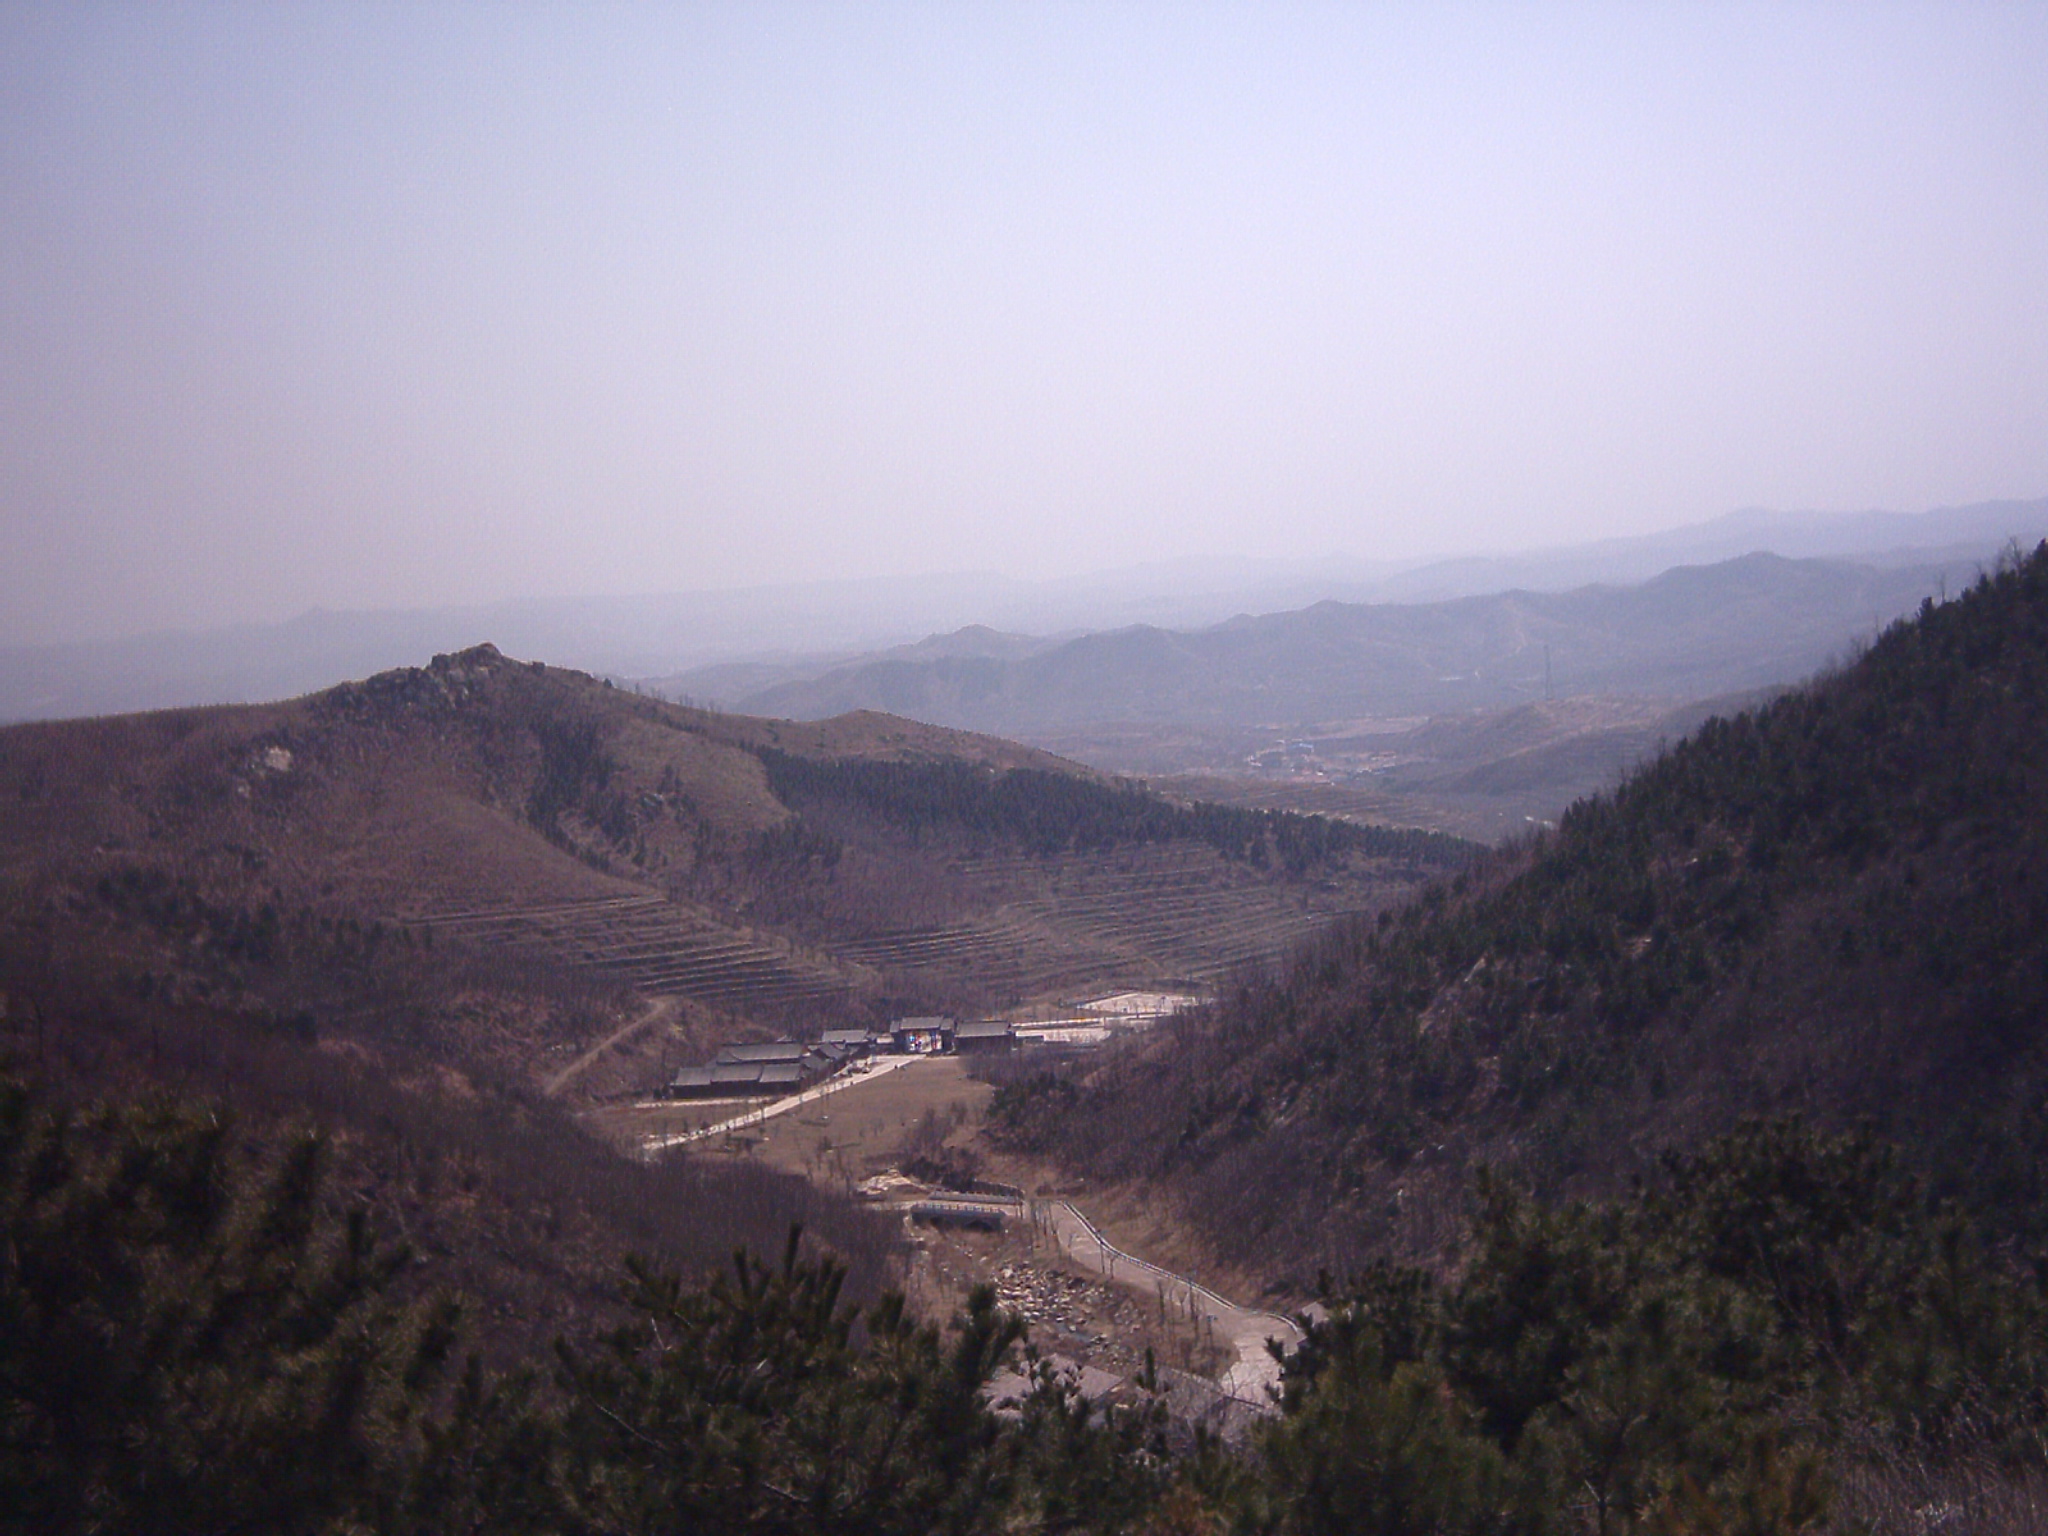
(575, 774)
(174, 908)
(1050, 813)
(188, 1340)
(1715, 1353)
(195, 1338)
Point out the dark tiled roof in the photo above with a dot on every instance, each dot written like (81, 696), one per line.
(773, 1050)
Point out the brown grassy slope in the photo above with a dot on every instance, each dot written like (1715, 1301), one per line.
(415, 794)
(526, 815)
(415, 786)
(184, 906)
(871, 734)
(501, 1196)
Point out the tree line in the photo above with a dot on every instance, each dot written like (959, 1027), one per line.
(197, 1335)
(1052, 813)
(1781, 1333)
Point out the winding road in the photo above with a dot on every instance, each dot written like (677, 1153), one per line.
(1254, 1377)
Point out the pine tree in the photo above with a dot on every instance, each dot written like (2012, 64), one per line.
(189, 1339)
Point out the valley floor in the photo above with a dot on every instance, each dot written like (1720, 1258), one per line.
(1093, 1304)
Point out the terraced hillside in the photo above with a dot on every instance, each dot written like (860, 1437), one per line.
(652, 945)
(1056, 882)
(1030, 925)
(502, 826)
(1167, 916)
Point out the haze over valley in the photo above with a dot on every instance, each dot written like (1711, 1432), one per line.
(965, 770)
(1477, 713)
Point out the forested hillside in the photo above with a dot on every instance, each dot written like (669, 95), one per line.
(1782, 1336)
(1049, 814)
(1835, 906)
(263, 1139)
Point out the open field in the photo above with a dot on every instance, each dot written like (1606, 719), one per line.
(860, 1130)
(840, 1139)
(1093, 1319)
(743, 1115)
(1100, 1310)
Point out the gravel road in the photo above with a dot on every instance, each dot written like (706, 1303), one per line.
(1245, 1331)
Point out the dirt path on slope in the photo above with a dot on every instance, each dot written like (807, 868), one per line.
(658, 1010)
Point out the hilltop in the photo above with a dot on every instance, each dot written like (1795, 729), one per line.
(405, 908)
(764, 872)
(1831, 905)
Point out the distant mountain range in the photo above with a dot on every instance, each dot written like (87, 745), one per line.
(722, 646)
(1691, 632)
(1943, 536)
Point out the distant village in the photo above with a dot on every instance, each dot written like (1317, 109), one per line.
(773, 1068)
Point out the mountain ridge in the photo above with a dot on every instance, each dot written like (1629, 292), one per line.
(663, 635)
(1690, 632)
(1829, 905)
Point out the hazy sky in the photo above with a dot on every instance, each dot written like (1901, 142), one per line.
(353, 305)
